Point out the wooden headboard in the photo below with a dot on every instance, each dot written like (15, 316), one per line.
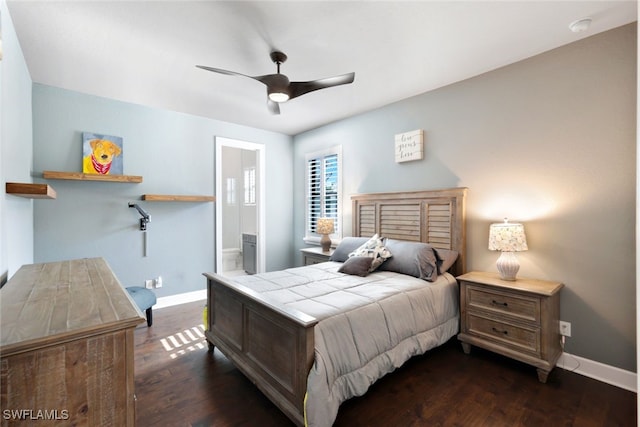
(436, 217)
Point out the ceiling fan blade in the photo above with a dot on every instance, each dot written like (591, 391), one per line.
(221, 71)
(274, 107)
(300, 88)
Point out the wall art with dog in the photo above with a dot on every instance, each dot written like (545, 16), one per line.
(101, 154)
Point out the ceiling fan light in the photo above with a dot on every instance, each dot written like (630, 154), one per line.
(279, 96)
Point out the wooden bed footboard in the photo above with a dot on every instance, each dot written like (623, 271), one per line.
(273, 346)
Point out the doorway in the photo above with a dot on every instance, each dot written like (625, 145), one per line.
(240, 213)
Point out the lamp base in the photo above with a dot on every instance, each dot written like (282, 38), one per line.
(325, 242)
(508, 265)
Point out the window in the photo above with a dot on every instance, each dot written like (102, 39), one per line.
(231, 191)
(323, 190)
(250, 186)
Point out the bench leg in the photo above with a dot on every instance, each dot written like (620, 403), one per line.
(149, 317)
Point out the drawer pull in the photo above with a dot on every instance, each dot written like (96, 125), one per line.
(504, 304)
(500, 332)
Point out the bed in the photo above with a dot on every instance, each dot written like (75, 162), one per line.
(294, 349)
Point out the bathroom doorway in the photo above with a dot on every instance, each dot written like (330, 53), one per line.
(240, 213)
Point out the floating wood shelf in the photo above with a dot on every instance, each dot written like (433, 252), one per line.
(175, 198)
(91, 177)
(30, 191)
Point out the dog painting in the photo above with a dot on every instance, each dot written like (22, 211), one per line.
(101, 154)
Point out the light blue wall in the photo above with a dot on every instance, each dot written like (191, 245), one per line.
(549, 141)
(16, 213)
(174, 153)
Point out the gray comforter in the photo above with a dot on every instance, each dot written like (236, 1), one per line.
(368, 326)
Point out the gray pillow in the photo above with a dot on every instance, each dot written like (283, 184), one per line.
(411, 258)
(446, 258)
(346, 246)
(357, 265)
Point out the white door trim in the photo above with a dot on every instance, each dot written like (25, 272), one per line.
(260, 199)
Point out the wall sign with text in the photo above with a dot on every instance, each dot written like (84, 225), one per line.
(409, 146)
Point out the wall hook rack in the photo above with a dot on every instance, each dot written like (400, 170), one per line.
(145, 216)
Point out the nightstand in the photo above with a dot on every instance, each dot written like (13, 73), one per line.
(315, 255)
(518, 319)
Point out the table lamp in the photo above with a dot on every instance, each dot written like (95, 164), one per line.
(325, 227)
(508, 238)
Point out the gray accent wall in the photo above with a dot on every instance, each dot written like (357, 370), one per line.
(549, 141)
(174, 153)
(16, 213)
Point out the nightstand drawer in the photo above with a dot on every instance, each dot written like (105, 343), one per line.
(520, 307)
(315, 255)
(310, 260)
(504, 333)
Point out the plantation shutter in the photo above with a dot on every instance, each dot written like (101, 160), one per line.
(322, 190)
(314, 194)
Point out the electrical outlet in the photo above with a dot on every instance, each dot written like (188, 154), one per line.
(148, 284)
(159, 282)
(565, 328)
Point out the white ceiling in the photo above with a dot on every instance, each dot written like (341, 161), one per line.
(145, 52)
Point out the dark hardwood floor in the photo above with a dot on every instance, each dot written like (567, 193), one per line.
(178, 383)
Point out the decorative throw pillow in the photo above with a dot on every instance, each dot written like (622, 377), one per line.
(346, 246)
(373, 248)
(357, 265)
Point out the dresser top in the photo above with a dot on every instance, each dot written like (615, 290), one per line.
(44, 304)
(536, 286)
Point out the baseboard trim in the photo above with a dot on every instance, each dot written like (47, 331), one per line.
(599, 371)
(184, 298)
(569, 362)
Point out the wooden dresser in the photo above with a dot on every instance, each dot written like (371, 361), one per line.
(66, 346)
(518, 319)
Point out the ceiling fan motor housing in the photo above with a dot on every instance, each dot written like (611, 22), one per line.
(278, 88)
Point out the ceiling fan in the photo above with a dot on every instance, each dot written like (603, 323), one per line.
(280, 89)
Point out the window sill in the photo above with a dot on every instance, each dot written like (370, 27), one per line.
(315, 240)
